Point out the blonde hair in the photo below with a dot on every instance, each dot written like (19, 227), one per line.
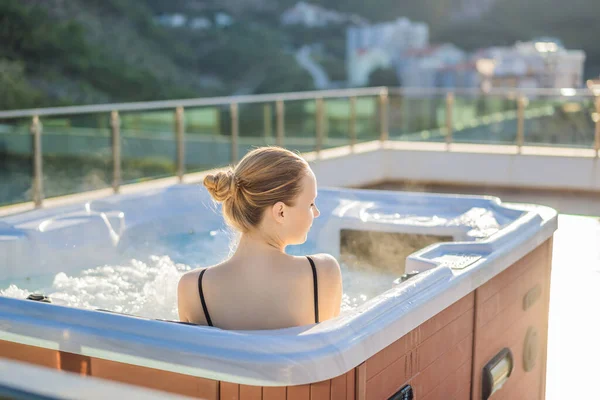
(264, 176)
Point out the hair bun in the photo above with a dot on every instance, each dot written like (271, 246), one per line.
(221, 185)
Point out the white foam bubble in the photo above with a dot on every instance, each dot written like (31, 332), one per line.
(147, 289)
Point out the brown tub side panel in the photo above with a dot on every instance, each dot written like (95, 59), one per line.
(248, 392)
(273, 393)
(509, 275)
(155, 379)
(75, 363)
(320, 390)
(451, 358)
(300, 392)
(426, 357)
(451, 387)
(351, 385)
(30, 354)
(445, 340)
(229, 391)
(339, 387)
(445, 317)
(411, 340)
(503, 320)
(361, 381)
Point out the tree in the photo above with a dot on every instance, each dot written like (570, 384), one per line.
(16, 90)
(384, 77)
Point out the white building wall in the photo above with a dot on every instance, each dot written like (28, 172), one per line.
(384, 42)
(559, 68)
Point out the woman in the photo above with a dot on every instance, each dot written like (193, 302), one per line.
(270, 199)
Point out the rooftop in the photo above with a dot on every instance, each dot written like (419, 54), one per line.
(565, 178)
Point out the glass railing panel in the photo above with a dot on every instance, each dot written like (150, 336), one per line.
(300, 125)
(207, 137)
(148, 145)
(16, 161)
(564, 121)
(484, 118)
(76, 153)
(257, 126)
(352, 118)
(415, 116)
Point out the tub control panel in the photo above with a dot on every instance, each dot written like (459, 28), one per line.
(496, 373)
(406, 393)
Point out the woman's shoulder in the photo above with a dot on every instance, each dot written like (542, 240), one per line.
(188, 282)
(327, 265)
(191, 275)
(188, 297)
(330, 285)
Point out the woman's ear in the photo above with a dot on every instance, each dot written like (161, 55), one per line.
(279, 211)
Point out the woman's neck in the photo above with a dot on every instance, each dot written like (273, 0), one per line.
(254, 243)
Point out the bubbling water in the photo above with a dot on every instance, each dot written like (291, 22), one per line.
(147, 289)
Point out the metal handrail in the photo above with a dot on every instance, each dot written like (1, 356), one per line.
(115, 124)
(449, 118)
(292, 96)
(383, 116)
(319, 124)
(38, 174)
(509, 92)
(597, 127)
(198, 102)
(235, 129)
(521, 104)
(180, 139)
(280, 117)
(352, 122)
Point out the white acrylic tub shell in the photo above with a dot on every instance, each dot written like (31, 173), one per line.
(83, 235)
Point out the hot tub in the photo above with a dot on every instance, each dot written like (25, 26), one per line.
(429, 321)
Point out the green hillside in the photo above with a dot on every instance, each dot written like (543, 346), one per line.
(55, 52)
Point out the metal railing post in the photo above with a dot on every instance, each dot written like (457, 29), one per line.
(521, 102)
(217, 112)
(180, 139)
(352, 127)
(38, 173)
(449, 118)
(597, 132)
(267, 123)
(319, 114)
(115, 125)
(234, 132)
(383, 116)
(280, 116)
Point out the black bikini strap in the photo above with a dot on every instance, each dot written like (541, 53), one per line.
(315, 287)
(206, 314)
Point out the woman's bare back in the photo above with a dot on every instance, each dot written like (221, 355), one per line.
(262, 293)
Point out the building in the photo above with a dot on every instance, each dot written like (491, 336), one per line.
(434, 66)
(380, 46)
(218, 19)
(313, 16)
(537, 64)
(171, 20)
